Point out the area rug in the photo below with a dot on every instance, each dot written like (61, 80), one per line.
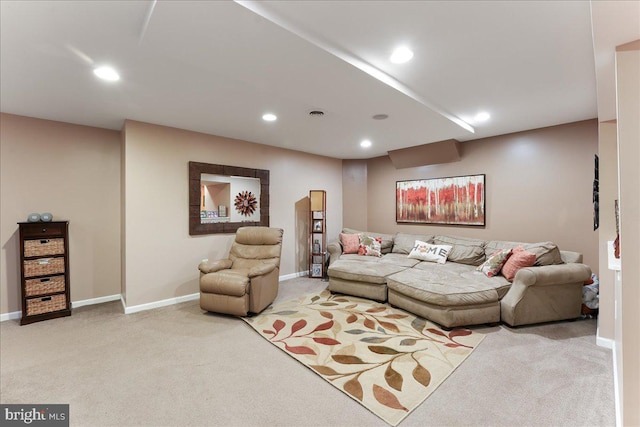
(385, 358)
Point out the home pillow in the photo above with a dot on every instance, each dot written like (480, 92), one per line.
(370, 246)
(350, 243)
(432, 253)
(494, 263)
(519, 259)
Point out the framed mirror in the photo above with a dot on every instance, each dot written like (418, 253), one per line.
(224, 198)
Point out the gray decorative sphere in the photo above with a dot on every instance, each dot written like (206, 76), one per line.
(33, 217)
(46, 217)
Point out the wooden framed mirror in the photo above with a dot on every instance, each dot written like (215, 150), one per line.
(224, 198)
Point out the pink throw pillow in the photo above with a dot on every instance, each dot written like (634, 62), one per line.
(519, 259)
(350, 243)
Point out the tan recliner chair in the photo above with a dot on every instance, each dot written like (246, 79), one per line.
(248, 280)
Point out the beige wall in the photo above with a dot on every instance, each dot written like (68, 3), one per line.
(74, 173)
(354, 187)
(161, 257)
(608, 156)
(539, 187)
(628, 96)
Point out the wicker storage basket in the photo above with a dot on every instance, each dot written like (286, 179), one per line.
(43, 266)
(43, 247)
(47, 285)
(46, 304)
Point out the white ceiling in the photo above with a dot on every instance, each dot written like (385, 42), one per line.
(217, 66)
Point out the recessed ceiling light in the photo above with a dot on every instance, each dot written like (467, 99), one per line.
(401, 55)
(107, 73)
(365, 143)
(269, 117)
(482, 116)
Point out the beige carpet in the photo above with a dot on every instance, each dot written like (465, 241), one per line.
(178, 366)
(387, 359)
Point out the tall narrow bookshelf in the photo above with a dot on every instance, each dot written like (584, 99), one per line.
(317, 233)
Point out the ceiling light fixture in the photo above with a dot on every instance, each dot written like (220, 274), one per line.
(365, 143)
(482, 116)
(107, 73)
(268, 117)
(401, 55)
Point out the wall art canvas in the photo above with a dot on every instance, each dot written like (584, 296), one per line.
(458, 200)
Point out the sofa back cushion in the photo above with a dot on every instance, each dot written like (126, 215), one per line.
(571, 256)
(463, 250)
(403, 243)
(547, 253)
(387, 239)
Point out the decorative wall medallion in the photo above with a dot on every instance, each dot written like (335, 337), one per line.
(246, 203)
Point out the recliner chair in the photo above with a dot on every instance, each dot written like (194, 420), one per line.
(248, 280)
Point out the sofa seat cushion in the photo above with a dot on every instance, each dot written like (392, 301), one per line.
(359, 258)
(462, 273)
(441, 288)
(399, 259)
(356, 271)
(226, 282)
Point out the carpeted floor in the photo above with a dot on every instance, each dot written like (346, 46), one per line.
(177, 366)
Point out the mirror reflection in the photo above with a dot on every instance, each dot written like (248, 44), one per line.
(229, 199)
(223, 198)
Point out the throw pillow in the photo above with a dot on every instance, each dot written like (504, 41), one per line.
(494, 263)
(370, 246)
(350, 243)
(432, 253)
(519, 259)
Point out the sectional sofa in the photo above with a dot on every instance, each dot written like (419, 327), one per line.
(455, 293)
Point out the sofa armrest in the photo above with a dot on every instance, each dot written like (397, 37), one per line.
(335, 250)
(215, 265)
(261, 269)
(544, 294)
(549, 275)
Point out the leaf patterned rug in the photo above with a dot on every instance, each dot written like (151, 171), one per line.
(385, 358)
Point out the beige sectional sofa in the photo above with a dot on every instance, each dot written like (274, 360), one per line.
(455, 293)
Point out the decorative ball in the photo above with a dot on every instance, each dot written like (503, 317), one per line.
(46, 217)
(33, 217)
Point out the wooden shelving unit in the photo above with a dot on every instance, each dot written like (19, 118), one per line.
(317, 233)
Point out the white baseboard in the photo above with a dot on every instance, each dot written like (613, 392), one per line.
(74, 304)
(158, 304)
(140, 307)
(617, 385)
(10, 316)
(92, 301)
(294, 275)
(603, 342)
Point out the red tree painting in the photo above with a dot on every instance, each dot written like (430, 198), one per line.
(457, 200)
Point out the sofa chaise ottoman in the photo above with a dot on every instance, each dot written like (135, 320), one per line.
(455, 293)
